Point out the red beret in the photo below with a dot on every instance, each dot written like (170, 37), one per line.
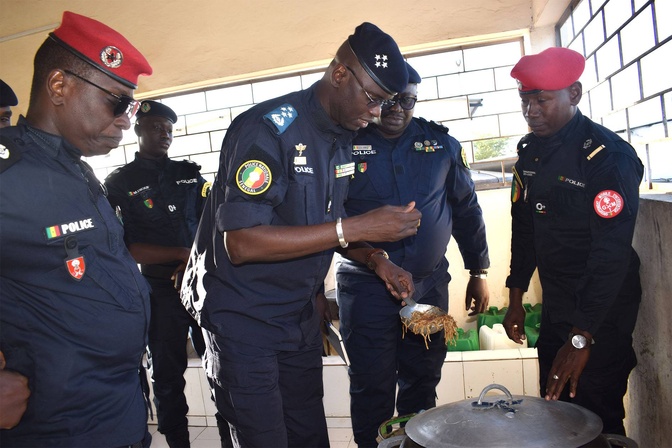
(553, 69)
(102, 47)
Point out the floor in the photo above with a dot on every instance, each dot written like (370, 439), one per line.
(208, 437)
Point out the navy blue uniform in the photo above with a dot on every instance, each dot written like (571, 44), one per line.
(575, 197)
(160, 202)
(283, 162)
(74, 307)
(424, 165)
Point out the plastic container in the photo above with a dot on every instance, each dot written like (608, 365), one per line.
(532, 334)
(495, 338)
(532, 314)
(464, 341)
(492, 316)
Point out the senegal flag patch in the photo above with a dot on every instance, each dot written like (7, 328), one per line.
(253, 177)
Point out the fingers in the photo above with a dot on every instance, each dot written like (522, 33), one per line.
(2, 361)
(410, 206)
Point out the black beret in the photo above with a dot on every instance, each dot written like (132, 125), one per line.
(7, 96)
(413, 76)
(155, 108)
(379, 55)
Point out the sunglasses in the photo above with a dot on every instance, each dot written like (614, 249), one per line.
(125, 104)
(372, 104)
(406, 102)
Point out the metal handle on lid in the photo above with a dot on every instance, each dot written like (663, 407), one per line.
(494, 386)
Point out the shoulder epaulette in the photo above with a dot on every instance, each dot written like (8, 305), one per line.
(523, 142)
(190, 163)
(10, 153)
(281, 117)
(434, 125)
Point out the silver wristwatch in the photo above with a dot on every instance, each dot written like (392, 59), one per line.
(579, 341)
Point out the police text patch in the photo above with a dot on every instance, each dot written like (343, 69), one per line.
(69, 228)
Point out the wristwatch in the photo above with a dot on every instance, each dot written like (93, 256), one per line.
(579, 341)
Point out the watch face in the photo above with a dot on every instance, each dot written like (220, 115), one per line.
(579, 341)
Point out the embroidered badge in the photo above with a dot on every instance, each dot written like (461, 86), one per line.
(515, 191)
(4, 152)
(111, 56)
(205, 191)
(608, 203)
(282, 117)
(76, 267)
(149, 203)
(361, 167)
(362, 150)
(464, 159)
(300, 159)
(68, 228)
(347, 169)
(253, 177)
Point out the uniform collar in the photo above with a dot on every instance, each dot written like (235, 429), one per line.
(320, 117)
(50, 143)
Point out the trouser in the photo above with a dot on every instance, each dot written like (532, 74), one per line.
(382, 358)
(170, 324)
(603, 382)
(270, 398)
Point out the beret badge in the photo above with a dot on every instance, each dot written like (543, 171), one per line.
(145, 107)
(111, 56)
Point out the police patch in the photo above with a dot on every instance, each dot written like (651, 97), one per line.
(205, 191)
(253, 177)
(464, 158)
(608, 204)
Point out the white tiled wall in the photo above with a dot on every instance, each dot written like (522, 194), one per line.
(464, 376)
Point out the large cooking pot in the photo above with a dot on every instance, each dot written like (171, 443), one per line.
(502, 421)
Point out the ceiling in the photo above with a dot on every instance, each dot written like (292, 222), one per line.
(196, 43)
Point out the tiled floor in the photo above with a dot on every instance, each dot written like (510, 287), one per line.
(208, 437)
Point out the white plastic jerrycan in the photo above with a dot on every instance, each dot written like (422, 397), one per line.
(495, 338)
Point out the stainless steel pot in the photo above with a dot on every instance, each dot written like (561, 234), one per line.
(504, 421)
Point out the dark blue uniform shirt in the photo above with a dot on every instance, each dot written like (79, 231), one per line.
(575, 198)
(283, 162)
(160, 202)
(74, 307)
(424, 165)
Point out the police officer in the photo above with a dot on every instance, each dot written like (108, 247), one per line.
(574, 199)
(267, 237)
(74, 309)
(7, 100)
(160, 202)
(405, 159)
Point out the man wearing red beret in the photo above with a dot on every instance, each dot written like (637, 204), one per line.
(575, 197)
(74, 308)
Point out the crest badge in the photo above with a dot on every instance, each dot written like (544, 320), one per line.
(76, 267)
(253, 177)
(111, 56)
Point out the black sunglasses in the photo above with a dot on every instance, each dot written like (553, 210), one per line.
(125, 104)
(372, 103)
(406, 102)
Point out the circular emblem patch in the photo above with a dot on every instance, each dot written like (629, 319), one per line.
(253, 177)
(608, 203)
(111, 56)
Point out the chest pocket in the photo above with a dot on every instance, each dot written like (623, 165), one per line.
(146, 205)
(568, 208)
(426, 178)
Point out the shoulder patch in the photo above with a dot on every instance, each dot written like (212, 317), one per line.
(253, 177)
(465, 162)
(9, 153)
(205, 191)
(282, 117)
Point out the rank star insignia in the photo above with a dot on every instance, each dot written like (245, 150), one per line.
(381, 60)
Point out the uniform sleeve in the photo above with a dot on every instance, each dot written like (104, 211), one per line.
(468, 224)
(523, 256)
(255, 177)
(614, 189)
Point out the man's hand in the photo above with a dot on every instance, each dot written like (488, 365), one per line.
(514, 320)
(178, 273)
(14, 393)
(568, 364)
(386, 223)
(478, 293)
(398, 281)
(322, 306)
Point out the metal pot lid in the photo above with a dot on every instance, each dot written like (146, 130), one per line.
(504, 421)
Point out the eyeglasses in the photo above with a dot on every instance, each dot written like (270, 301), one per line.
(125, 104)
(406, 102)
(372, 103)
